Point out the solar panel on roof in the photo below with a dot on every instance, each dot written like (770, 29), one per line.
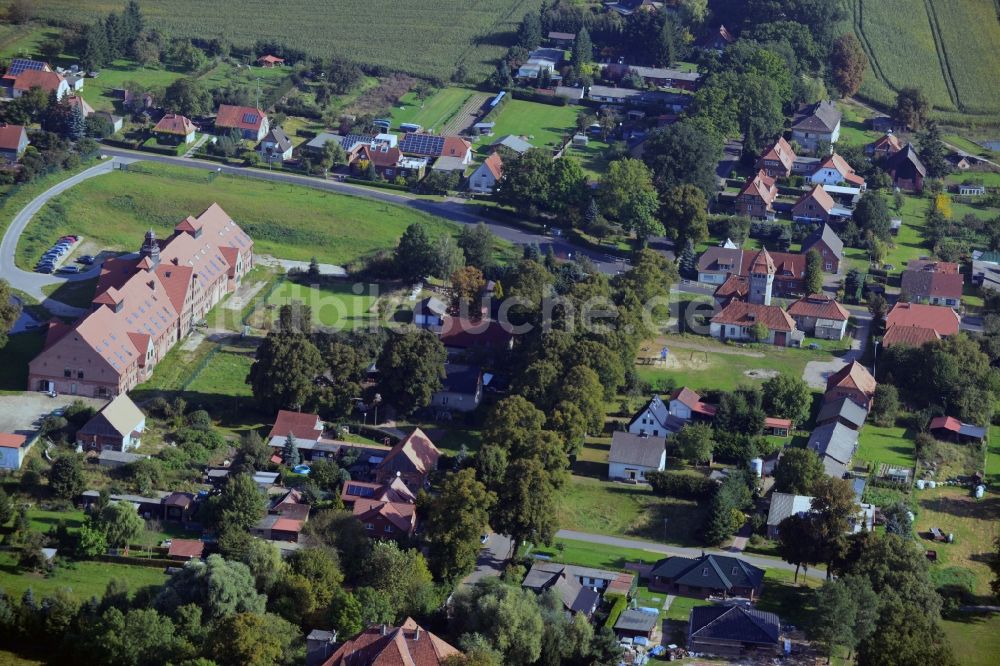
(422, 144)
(19, 65)
(250, 118)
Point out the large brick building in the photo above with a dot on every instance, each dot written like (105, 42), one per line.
(144, 304)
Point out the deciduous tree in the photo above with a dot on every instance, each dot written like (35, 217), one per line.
(453, 522)
(411, 369)
(912, 107)
(416, 256)
(685, 214)
(787, 397)
(848, 64)
(797, 471)
(694, 443)
(66, 476)
(253, 639)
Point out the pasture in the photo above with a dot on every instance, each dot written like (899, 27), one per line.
(424, 37)
(948, 48)
(288, 221)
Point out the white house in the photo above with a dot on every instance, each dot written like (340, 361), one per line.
(653, 419)
(117, 427)
(13, 449)
(275, 146)
(834, 170)
(485, 178)
(633, 456)
(785, 505)
(816, 123)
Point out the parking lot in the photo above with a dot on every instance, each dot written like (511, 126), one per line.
(21, 414)
(56, 258)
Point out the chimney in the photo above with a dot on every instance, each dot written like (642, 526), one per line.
(416, 634)
(385, 630)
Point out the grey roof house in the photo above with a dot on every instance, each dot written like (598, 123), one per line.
(275, 146)
(828, 245)
(815, 123)
(461, 389)
(708, 575)
(632, 456)
(575, 597)
(844, 411)
(636, 623)
(835, 443)
(733, 631)
(513, 143)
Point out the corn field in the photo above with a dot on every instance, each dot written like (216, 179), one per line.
(422, 37)
(948, 48)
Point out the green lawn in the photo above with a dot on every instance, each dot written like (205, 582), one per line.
(591, 157)
(83, 579)
(973, 522)
(98, 93)
(974, 638)
(23, 41)
(892, 446)
(336, 305)
(431, 113)
(723, 371)
(289, 221)
(680, 608)
(604, 507)
(993, 458)
(14, 357)
(225, 373)
(542, 124)
(586, 554)
(968, 146)
(852, 126)
(78, 294)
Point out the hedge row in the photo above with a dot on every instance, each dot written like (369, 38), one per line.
(679, 484)
(377, 183)
(619, 606)
(541, 98)
(152, 562)
(495, 111)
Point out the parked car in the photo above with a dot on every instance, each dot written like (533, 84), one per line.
(69, 269)
(70, 238)
(45, 269)
(87, 259)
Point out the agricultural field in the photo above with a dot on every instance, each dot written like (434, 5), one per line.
(949, 48)
(288, 221)
(400, 36)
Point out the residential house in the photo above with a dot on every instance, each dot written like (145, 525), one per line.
(250, 122)
(834, 170)
(412, 459)
(144, 305)
(185, 550)
(914, 324)
(179, 507)
(886, 145)
(815, 123)
(777, 160)
(932, 283)
(600, 580)
(486, 176)
(835, 444)
(820, 316)
(576, 598)
(686, 405)
(118, 426)
(853, 381)
(13, 142)
(659, 77)
(23, 75)
(906, 170)
(785, 505)
(433, 145)
(461, 389)
(382, 645)
(738, 319)
(174, 128)
(429, 313)
(734, 632)
(756, 199)
(562, 39)
(950, 428)
(777, 427)
(636, 623)
(13, 449)
(515, 144)
(542, 60)
(304, 427)
(705, 576)
(395, 491)
(385, 519)
(717, 40)
(632, 456)
(816, 205)
(827, 243)
(844, 411)
(654, 419)
(460, 334)
(270, 61)
(275, 146)
(718, 263)
(383, 159)
(78, 102)
(316, 145)
(274, 527)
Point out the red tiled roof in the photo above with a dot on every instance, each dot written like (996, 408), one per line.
(272, 59)
(495, 164)
(187, 548)
(911, 336)
(762, 264)
(174, 123)
(407, 645)
(933, 266)
(465, 333)
(36, 78)
(946, 422)
(780, 151)
(455, 146)
(840, 164)
(686, 396)
(853, 376)
(773, 422)
(941, 319)
(761, 186)
(240, 117)
(818, 305)
(888, 142)
(740, 313)
(820, 196)
(402, 515)
(76, 100)
(300, 424)
(11, 441)
(10, 136)
(386, 158)
(287, 525)
(735, 286)
(416, 452)
(785, 264)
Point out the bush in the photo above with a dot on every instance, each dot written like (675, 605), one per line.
(679, 484)
(619, 605)
(926, 447)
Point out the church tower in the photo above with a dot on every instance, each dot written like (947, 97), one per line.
(761, 278)
(150, 250)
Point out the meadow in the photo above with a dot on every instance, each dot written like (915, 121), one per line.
(424, 37)
(948, 48)
(541, 124)
(430, 113)
(338, 305)
(288, 221)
